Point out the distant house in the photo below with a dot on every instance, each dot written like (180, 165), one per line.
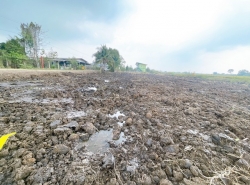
(65, 63)
(141, 67)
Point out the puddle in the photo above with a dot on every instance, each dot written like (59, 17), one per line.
(62, 100)
(18, 84)
(76, 114)
(116, 115)
(98, 142)
(33, 100)
(43, 88)
(92, 89)
(121, 123)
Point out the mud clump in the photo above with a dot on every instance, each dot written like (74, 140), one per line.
(133, 129)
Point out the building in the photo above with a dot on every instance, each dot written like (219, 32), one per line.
(66, 63)
(141, 67)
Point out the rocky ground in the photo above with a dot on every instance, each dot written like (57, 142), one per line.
(123, 128)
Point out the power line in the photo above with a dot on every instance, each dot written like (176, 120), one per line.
(10, 19)
(8, 31)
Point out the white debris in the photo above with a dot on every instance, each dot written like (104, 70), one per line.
(76, 114)
(194, 132)
(188, 148)
(226, 137)
(206, 137)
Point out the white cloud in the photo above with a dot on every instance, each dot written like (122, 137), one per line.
(236, 58)
(160, 27)
(170, 23)
(95, 31)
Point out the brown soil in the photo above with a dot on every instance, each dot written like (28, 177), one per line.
(171, 130)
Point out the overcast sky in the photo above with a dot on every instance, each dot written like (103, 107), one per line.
(201, 36)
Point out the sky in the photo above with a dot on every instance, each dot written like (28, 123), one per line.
(201, 36)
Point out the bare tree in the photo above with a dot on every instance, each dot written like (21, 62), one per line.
(31, 37)
(49, 56)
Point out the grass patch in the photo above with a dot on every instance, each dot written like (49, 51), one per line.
(228, 78)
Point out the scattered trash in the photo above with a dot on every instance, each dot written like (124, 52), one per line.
(4, 139)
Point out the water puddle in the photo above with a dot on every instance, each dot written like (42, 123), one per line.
(133, 164)
(92, 89)
(18, 84)
(121, 123)
(76, 114)
(33, 100)
(98, 142)
(116, 115)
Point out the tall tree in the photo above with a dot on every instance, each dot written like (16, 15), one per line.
(49, 56)
(31, 37)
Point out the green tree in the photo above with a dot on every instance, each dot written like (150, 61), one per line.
(117, 61)
(243, 72)
(129, 68)
(74, 64)
(102, 57)
(108, 57)
(12, 53)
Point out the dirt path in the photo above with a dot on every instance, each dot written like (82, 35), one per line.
(122, 128)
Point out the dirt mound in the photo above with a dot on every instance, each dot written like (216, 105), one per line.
(119, 128)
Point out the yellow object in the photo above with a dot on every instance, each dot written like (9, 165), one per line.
(83, 67)
(4, 138)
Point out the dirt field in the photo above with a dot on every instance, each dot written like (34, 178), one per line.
(78, 128)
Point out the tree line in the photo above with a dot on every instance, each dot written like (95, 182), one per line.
(22, 51)
(242, 72)
(25, 50)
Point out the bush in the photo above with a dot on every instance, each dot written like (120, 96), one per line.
(243, 72)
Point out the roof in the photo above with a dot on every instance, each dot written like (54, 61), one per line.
(137, 63)
(79, 60)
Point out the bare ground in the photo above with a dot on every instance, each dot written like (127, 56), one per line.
(167, 130)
